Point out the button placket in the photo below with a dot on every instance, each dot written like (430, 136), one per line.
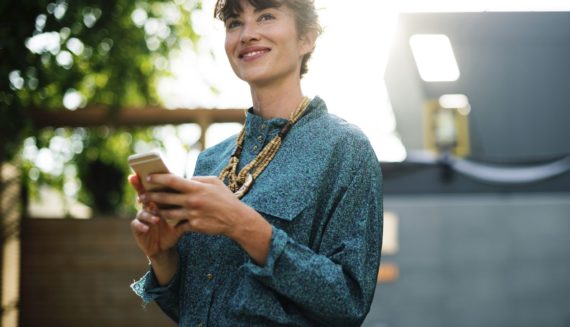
(209, 291)
(259, 139)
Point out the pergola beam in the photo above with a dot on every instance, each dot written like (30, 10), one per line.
(133, 117)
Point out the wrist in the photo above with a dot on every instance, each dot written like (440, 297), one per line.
(163, 257)
(253, 234)
(245, 221)
(164, 266)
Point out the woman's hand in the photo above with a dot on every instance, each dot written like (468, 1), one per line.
(205, 203)
(156, 239)
(210, 207)
(152, 234)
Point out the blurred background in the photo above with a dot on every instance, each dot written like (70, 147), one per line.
(465, 102)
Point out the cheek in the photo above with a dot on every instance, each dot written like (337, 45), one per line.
(291, 39)
(229, 45)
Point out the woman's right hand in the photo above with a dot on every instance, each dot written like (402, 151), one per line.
(153, 235)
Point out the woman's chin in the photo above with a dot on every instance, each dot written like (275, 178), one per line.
(252, 76)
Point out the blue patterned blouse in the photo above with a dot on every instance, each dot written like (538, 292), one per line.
(323, 195)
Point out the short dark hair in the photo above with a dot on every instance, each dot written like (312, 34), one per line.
(306, 17)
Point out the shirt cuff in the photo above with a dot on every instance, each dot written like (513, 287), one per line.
(148, 288)
(279, 241)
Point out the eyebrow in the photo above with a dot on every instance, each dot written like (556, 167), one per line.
(255, 10)
(231, 16)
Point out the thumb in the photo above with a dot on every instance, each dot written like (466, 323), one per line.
(135, 181)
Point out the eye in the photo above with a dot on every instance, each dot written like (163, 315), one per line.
(233, 24)
(266, 17)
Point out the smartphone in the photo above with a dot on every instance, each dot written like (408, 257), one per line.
(145, 164)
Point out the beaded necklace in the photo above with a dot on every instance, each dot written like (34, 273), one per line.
(241, 182)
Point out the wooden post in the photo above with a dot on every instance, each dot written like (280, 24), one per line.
(10, 218)
(204, 125)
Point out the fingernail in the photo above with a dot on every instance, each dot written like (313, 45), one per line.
(142, 197)
(148, 178)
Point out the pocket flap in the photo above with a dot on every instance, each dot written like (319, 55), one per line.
(284, 197)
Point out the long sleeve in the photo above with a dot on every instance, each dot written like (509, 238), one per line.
(165, 296)
(335, 285)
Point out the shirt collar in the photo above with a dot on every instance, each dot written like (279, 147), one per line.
(254, 123)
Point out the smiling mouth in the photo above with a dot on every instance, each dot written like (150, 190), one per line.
(251, 54)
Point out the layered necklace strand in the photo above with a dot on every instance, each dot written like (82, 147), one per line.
(241, 182)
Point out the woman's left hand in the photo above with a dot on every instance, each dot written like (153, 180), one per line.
(205, 202)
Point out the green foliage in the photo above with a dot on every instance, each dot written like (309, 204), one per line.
(110, 51)
(70, 53)
(89, 165)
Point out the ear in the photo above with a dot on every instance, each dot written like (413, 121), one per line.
(307, 42)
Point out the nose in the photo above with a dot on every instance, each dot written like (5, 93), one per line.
(249, 33)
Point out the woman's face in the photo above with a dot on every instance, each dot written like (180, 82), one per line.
(263, 46)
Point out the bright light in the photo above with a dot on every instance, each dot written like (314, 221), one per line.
(16, 79)
(139, 17)
(45, 160)
(44, 42)
(434, 57)
(64, 59)
(60, 10)
(41, 22)
(453, 101)
(75, 45)
(72, 99)
(347, 69)
(219, 132)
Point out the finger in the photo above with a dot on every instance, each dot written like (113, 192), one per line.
(135, 181)
(164, 198)
(138, 227)
(185, 226)
(209, 180)
(196, 224)
(147, 218)
(174, 216)
(148, 206)
(174, 182)
(206, 179)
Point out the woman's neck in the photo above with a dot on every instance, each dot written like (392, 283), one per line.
(276, 102)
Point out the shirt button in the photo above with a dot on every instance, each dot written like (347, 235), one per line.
(255, 148)
(263, 126)
(210, 276)
(260, 138)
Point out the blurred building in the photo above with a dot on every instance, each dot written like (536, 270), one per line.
(482, 102)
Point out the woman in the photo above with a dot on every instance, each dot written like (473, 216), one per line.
(282, 224)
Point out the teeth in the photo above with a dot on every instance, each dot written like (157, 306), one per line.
(254, 53)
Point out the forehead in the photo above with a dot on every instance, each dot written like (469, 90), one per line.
(232, 8)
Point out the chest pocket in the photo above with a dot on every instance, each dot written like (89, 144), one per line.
(281, 196)
(288, 203)
(278, 209)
